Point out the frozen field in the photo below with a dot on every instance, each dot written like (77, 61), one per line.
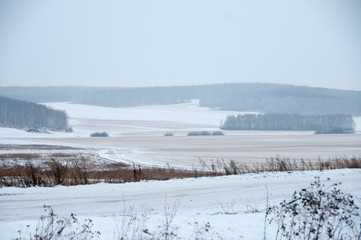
(137, 135)
(233, 205)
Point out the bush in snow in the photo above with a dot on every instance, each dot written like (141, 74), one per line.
(131, 224)
(202, 133)
(317, 212)
(205, 133)
(99, 134)
(51, 226)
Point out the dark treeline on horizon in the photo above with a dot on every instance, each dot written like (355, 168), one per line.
(333, 123)
(27, 115)
(255, 97)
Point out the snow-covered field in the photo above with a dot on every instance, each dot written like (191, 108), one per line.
(137, 135)
(233, 205)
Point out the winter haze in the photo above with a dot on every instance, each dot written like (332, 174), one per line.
(180, 120)
(166, 43)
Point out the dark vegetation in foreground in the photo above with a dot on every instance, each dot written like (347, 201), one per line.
(319, 211)
(332, 123)
(77, 169)
(31, 116)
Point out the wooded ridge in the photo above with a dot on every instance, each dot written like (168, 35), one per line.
(249, 97)
(31, 116)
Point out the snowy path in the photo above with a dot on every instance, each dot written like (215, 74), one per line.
(200, 200)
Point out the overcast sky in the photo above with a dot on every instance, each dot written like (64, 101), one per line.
(184, 42)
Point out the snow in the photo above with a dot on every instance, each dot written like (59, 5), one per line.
(151, 119)
(86, 119)
(189, 112)
(225, 202)
(358, 123)
(137, 135)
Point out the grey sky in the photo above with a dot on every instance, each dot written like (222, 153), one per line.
(184, 42)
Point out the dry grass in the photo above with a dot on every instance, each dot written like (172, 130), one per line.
(26, 170)
(77, 169)
(69, 168)
(281, 164)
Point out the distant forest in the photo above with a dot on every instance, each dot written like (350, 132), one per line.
(334, 123)
(255, 97)
(26, 115)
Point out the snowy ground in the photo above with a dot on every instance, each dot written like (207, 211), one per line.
(137, 135)
(227, 203)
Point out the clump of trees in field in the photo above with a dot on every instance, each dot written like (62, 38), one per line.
(27, 115)
(333, 123)
(205, 133)
(99, 134)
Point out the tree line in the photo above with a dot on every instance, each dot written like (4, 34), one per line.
(27, 115)
(255, 97)
(333, 123)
